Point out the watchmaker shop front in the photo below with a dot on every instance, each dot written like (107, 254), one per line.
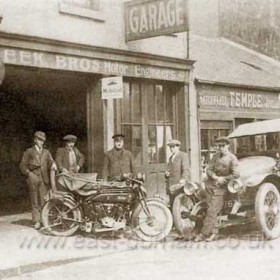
(223, 108)
(56, 87)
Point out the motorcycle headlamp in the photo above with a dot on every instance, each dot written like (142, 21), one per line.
(235, 186)
(190, 188)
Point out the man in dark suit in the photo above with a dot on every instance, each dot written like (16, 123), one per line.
(35, 165)
(177, 169)
(118, 161)
(69, 158)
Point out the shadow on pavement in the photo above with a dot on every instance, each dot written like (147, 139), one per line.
(24, 222)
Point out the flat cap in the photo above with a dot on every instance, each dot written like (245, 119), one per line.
(222, 140)
(118, 136)
(174, 143)
(70, 137)
(40, 135)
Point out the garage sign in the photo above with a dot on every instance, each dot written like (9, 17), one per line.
(151, 18)
(112, 88)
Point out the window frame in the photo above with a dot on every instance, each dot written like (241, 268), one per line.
(69, 9)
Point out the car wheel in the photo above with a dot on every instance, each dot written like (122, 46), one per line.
(184, 208)
(267, 207)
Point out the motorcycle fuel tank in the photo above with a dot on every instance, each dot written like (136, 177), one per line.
(115, 197)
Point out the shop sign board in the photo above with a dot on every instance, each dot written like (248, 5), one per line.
(151, 18)
(239, 100)
(90, 65)
(112, 88)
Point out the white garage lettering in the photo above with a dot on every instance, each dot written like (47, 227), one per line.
(155, 18)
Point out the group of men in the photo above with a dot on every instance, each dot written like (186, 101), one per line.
(37, 162)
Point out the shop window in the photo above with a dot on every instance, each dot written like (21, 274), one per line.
(208, 139)
(273, 141)
(83, 8)
(210, 131)
(246, 144)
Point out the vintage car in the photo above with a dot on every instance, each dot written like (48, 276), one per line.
(254, 197)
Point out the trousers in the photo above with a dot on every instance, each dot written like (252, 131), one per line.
(215, 203)
(37, 191)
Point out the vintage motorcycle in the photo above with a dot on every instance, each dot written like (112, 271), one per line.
(81, 202)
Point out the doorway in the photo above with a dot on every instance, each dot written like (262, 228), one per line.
(147, 115)
(31, 100)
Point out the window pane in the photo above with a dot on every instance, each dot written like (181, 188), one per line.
(126, 104)
(152, 144)
(133, 141)
(86, 4)
(151, 104)
(127, 131)
(204, 139)
(136, 103)
(214, 134)
(169, 136)
(260, 142)
(273, 141)
(169, 107)
(137, 144)
(160, 103)
(245, 144)
(160, 144)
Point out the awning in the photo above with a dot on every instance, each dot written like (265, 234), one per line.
(256, 128)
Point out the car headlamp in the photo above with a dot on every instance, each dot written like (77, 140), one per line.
(141, 177)
(190, 188)
(235, 186)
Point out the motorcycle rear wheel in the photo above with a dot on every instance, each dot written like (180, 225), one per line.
(155, 228)
(54, 218)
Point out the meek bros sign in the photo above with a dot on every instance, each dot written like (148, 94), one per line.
(150, 18)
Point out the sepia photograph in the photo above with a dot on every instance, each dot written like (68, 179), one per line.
(139, 139)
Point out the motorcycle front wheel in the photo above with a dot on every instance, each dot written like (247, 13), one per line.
(153, 227)
(60, 218)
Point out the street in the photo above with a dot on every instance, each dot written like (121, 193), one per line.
(28, 254)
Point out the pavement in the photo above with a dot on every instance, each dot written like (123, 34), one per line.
(29, 254)
(23, 249)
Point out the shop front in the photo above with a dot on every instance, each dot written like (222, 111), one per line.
(225, 107)
(56, 87)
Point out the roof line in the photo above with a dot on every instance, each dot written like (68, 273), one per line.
(273, 89)
(251, 51)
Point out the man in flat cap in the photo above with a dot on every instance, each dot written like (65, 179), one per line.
(35, 165)
(222, 168)
(118, 161)
(69, 158)
(177, 169)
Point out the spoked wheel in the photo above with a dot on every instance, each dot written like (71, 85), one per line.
(153, 227)
(267, 207)
(187, 215)
(59, 218)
